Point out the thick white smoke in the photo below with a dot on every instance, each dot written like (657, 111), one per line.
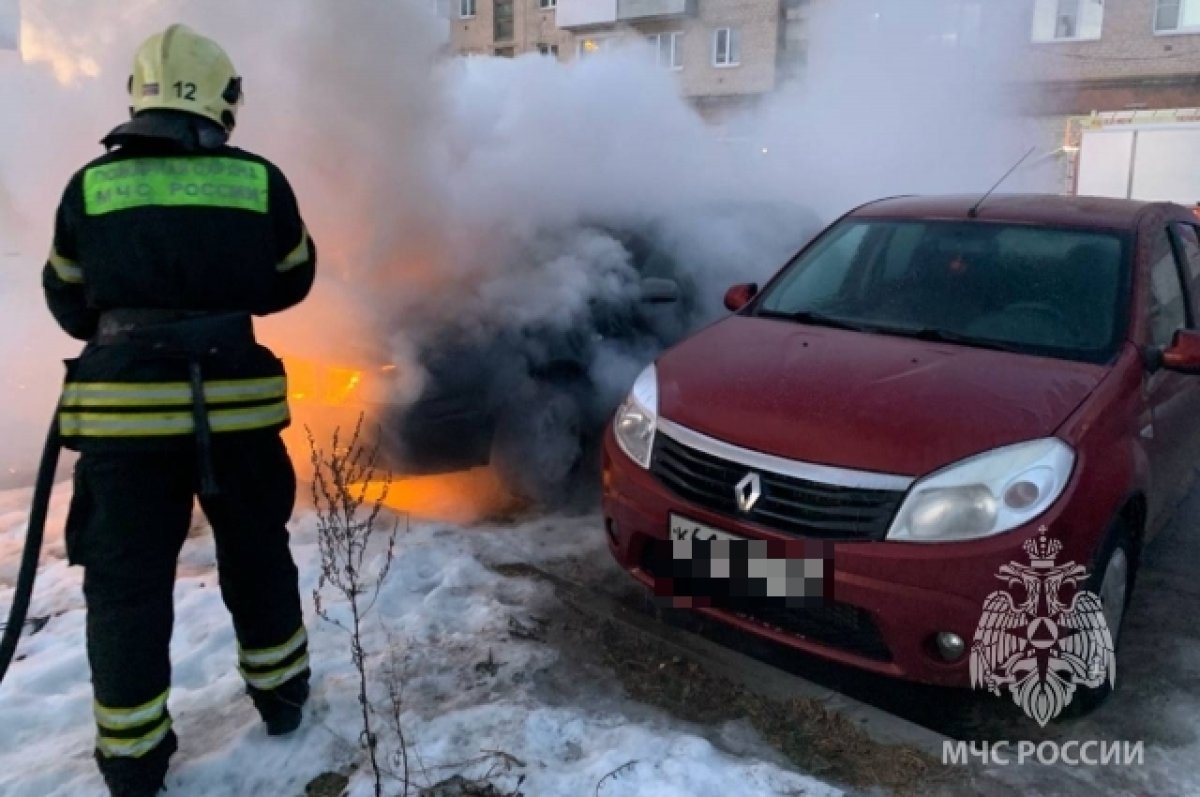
(460, 190)
(904, 99)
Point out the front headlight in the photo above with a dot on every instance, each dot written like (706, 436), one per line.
(987, 494)
(635, 421)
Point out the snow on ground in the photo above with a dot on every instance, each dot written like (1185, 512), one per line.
(469, 685)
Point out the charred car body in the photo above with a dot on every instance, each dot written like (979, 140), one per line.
(530, 394)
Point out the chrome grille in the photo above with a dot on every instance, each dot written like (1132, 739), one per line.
(787, 503)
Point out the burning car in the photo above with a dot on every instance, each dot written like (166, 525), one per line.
(931, 387)
(528, 393)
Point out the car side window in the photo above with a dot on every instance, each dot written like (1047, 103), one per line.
(1189, 241)
(1168, 311)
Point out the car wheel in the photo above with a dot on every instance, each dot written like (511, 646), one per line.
(1113, 590)
(538, 446)
(1112, 579)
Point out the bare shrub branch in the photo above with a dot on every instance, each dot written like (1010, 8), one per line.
(346, 527)
(394, 677)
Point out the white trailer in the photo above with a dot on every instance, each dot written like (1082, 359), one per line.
(1145, 155)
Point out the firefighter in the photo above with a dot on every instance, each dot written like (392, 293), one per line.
(164, 248)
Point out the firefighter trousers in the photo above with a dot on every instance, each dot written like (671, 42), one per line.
(129, 517)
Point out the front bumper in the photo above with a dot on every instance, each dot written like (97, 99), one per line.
(889, 599)
(440, 435)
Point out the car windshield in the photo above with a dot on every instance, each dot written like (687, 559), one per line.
(1036, 290)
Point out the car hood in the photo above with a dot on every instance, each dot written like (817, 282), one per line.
(868, 402)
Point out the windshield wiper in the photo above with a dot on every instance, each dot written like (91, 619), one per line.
(818, 320)
(945, 336)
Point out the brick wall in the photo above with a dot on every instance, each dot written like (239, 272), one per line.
(532, 26)
(757, 23)
(1128, 48)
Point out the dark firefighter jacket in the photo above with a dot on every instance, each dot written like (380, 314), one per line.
(162, 252)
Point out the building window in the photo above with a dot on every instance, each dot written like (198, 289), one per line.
(1067, 20)
(668, 49)
(726, 47)
(548, 49)
(590, 45)
(466, 8)
(505, 52)
(1177, 16)
(502, 21)
(545, 5)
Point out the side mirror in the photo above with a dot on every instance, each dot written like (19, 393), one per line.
(656, 290)
(1184, 353)
(739, 296)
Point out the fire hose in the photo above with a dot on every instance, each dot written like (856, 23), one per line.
(23, 590)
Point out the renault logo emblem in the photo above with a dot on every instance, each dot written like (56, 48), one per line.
(748, 491)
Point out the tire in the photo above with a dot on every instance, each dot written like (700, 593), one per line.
(538, 446)
(1112, 578)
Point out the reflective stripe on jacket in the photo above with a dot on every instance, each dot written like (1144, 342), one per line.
(163, 409)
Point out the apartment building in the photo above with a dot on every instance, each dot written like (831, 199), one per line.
(726, 53)
(1101, 55)
(1077, 56)
(505, 28)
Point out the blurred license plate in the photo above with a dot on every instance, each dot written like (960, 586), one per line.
(684, 530)
(731, 570)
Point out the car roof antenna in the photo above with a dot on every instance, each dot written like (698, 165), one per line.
(974, 211)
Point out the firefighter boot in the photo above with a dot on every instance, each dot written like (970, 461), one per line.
(138, 777)
(282, 709)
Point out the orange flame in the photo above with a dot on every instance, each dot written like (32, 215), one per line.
(465, 497)
(325, 397)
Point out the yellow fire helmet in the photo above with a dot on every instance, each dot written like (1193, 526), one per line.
(181, 70)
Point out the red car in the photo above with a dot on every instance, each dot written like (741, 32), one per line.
(921, 390)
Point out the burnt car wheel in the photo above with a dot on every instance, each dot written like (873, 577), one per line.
(538, 445)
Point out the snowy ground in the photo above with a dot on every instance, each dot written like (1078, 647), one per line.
(494, 659)
(472, 683)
